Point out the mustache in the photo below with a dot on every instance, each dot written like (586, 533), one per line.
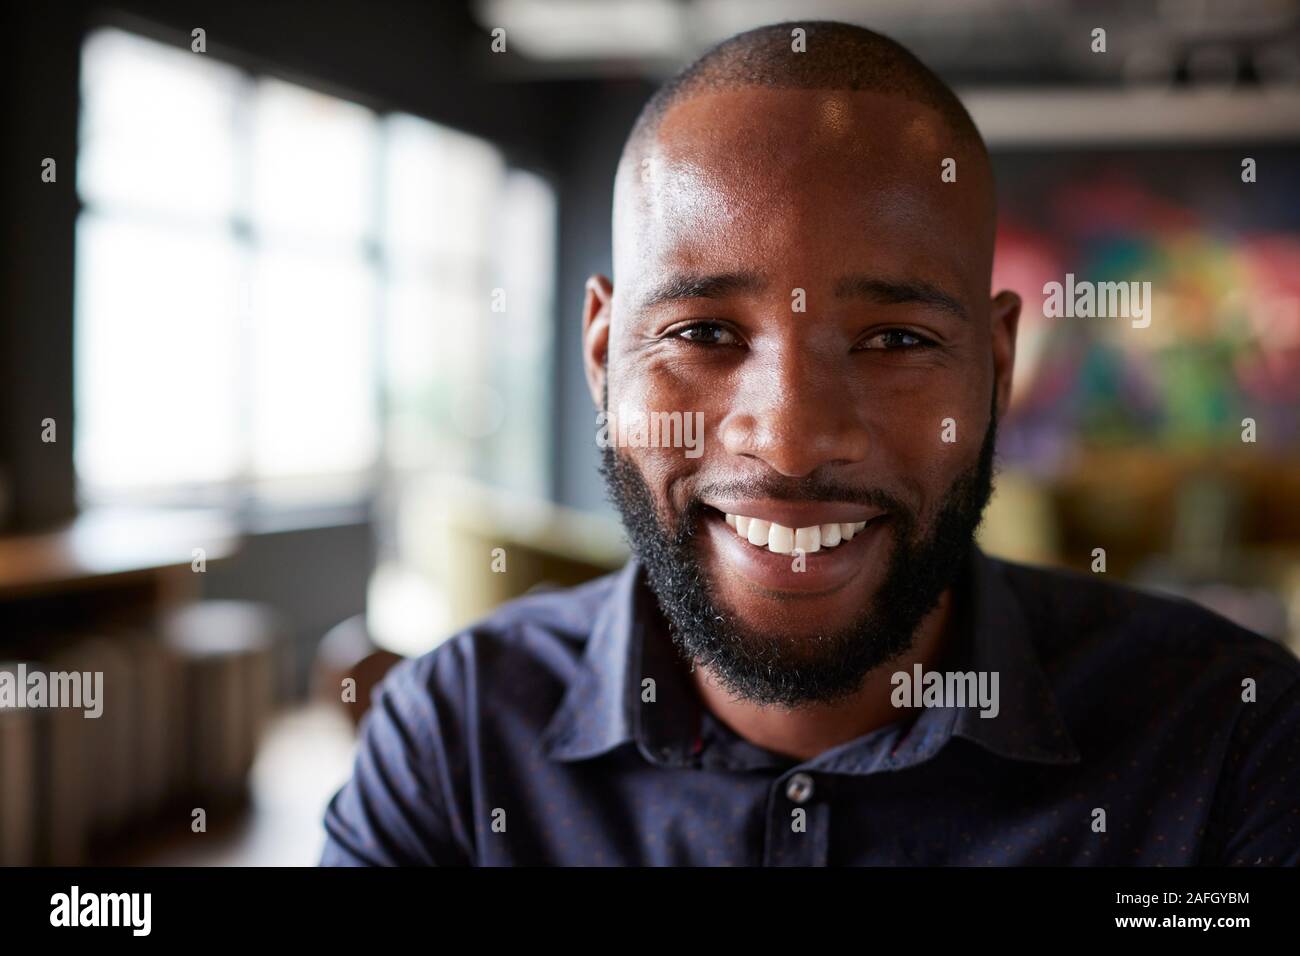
(780, 488)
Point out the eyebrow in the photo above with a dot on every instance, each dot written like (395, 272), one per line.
(891, 292)
(870, 288)
(717, 286)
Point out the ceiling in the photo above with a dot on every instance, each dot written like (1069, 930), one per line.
(1191, 43)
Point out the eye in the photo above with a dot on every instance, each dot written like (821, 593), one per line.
(894, 339)
(708, 333)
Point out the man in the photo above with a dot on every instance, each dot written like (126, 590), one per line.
(807, 661)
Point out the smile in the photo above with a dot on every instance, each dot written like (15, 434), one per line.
(780, 539)
(786, 548)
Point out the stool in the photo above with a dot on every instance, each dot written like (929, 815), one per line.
(348, 651)
(227, 651)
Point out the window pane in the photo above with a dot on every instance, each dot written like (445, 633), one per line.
(433, 361)
(313, 405)
(157, 128)
(468, 387)
(520, 368)
(313, 163)
(156, 339)
(440, 189)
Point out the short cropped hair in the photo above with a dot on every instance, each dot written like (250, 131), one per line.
(838, 56)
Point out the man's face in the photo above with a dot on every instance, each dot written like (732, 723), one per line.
(792, 265)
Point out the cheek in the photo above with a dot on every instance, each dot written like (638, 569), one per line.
(665, 428)
(677, 384)
(926, 437)
(656, 387)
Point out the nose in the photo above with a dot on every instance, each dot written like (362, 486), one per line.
(795, 413)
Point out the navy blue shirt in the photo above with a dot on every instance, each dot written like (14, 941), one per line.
(1122, 737)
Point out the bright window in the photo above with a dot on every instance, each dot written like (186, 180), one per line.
(281, 292)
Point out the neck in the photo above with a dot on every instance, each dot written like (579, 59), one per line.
(806, 731)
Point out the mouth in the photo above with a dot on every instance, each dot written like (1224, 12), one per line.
(807, 548)
(780, 539)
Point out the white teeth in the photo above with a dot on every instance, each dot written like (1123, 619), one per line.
(808, 540)
(779, 539)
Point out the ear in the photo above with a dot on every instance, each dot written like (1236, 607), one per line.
(1004, 317)
(597, 308)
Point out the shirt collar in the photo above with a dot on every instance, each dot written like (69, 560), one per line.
(1029, 725)
(603, 707)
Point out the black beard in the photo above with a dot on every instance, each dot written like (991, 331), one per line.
(821, 667)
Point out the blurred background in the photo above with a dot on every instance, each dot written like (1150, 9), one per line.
(289, 344)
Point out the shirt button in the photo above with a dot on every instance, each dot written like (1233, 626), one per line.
(799, 788)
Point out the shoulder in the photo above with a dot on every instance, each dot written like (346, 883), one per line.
(1086, 623)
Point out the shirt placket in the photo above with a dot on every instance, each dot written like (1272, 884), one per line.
(798, 819)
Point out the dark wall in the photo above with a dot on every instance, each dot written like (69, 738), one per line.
(597, 131)
(41, 65)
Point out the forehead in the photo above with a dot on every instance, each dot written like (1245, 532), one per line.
(781, 180)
